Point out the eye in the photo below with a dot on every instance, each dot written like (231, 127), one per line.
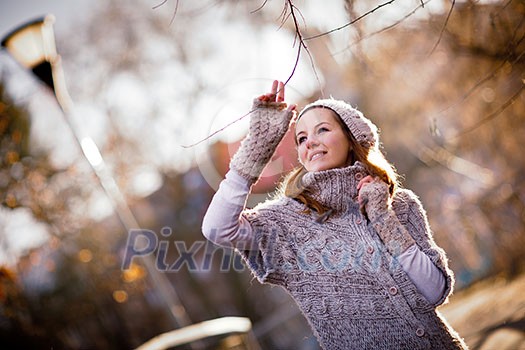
(301, 139)
(322, 129)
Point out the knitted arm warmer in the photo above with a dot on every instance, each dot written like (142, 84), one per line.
(376, 201)
(412, 215)
(268, 125)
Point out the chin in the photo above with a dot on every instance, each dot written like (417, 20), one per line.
(320, 167)
(326, 166)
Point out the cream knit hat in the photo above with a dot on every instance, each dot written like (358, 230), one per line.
(364, 131)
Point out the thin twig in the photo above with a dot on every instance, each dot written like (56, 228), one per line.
(217, 131)
(298, 38)
(481, 82)
(443, 28)
(301, 45)
(175, 12)
(283, 22)
(159, 5)
(492, 115)
(494, 71)
(259, 8)
(382, 30)
(351, 22)
(501, 9)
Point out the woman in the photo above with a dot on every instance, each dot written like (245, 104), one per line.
(354, 251)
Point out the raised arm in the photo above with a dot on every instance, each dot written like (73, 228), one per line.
(270, 118)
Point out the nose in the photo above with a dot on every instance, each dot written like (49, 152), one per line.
(311, 142)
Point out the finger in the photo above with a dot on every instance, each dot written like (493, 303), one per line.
(265, 97)
(274, 87)
(362, 209)
(292, 107)
(364, 181)
(280, 93)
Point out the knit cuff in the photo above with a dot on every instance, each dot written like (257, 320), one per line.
(393, 234)
(269, 122)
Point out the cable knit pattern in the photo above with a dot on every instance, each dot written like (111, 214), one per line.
(269, 122)
(351, 289)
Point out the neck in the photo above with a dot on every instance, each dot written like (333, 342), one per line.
(335, 189)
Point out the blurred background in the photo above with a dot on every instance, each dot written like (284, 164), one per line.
(152, 79)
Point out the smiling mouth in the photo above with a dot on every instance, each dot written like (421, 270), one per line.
(317, 156)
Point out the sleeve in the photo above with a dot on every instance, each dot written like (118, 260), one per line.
(266, 261)
(428, 279)
(253, 233)
(223, 223)
(413, 216)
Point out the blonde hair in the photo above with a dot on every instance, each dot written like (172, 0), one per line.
(371, 157)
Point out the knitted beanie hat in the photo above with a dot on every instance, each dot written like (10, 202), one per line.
(364, 131)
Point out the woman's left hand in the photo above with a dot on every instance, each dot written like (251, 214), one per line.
(364, 181)
(373, 197)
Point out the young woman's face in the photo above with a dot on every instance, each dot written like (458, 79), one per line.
(321, 142)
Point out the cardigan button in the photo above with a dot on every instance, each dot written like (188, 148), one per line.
(420, 332)
(358, 176)
(358, 221)
(370, 249)
(393, 290)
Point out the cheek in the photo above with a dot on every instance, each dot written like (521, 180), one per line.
(301, 154)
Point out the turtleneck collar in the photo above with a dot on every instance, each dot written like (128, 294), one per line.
(335, 188)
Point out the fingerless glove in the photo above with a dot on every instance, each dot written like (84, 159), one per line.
(376, 200)
(269, 122)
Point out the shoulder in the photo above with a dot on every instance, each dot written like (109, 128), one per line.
(281, 208)
(404, 195)
(406, 203)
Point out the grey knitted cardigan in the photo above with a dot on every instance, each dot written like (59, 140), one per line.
(352, 291)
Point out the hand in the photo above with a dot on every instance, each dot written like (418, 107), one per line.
(374, 203)
(269, 121)
(276, 95)
(373, 197)
(364, 181)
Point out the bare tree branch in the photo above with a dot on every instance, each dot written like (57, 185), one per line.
(443, 28)
(290, 10)
(260, 7)
(387, 28)
(502, 8)
(504, 61)
(159, 5)
(298, 38)
(351, 22)
(492, 115)
(174, 12)
(218, 131)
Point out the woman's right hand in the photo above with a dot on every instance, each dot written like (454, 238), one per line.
(276, 95)
(269, 121)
